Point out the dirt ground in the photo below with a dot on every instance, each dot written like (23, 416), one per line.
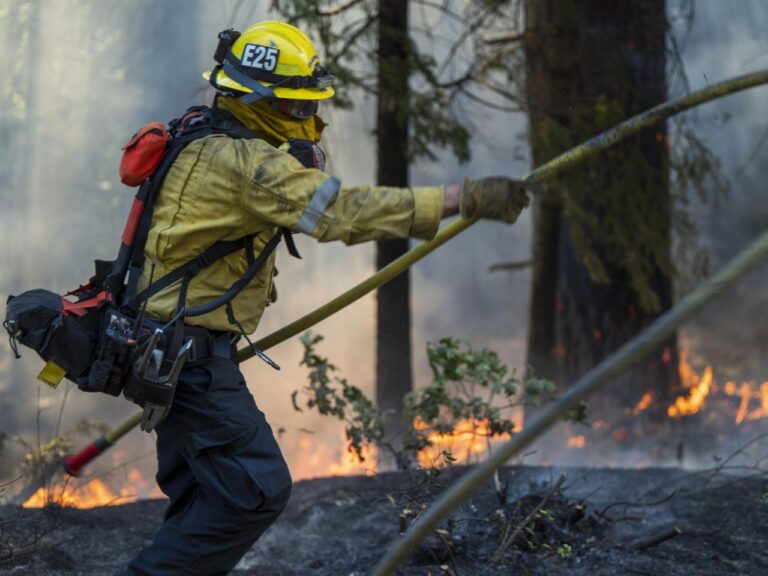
(341, 526)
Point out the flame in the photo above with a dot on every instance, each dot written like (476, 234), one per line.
(701, 386)
(91, 495)
(350, 465)
(74, 494)
(698, 387)
(318, 458)
(747, 392)
(688, 376)
(577, 442)
(697, 393)
(469, 440)
(644, 403)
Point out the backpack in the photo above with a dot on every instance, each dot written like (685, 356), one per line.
(97, 335)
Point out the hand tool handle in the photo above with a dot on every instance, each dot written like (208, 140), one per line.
(74, 463)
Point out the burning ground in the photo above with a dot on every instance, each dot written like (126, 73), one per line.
(594, 521)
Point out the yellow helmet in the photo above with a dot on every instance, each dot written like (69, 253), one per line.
(271, 60)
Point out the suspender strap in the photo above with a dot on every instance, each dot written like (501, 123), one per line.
(147, 194)
(131, 259)
(209, 256)
(221, 122)
(239, 284)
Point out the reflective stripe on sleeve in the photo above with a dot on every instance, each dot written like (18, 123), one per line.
(324, 195)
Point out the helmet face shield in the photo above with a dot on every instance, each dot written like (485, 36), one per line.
(297, 109)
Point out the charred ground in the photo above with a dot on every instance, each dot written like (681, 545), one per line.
(601, 521)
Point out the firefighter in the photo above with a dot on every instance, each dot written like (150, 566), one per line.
(218, 461)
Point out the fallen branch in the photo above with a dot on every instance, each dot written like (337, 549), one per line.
(625, 518)
(656, 539)
(528, 519)
(603, 513)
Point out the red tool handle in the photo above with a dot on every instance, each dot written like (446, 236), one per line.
(74, 463)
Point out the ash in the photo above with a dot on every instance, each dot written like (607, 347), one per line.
(531, 520)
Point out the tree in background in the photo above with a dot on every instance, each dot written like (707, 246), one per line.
(602, 262)
(418, 79)
(394, 370)
(602, 247)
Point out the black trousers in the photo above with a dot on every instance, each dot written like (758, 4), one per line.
(220, 465)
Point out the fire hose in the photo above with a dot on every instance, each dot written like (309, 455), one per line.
(604, 372)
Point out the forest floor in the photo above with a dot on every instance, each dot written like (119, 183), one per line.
(595, 524)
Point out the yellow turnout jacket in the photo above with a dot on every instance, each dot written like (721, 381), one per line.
(221, 188)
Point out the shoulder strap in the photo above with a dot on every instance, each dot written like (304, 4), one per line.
(237, 287)
(198, 122)
(146, 196)
(212, 254)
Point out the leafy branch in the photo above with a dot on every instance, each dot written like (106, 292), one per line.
(472, 392)
(332, 395)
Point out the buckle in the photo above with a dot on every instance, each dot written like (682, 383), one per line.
(202, 346)
(226, 39)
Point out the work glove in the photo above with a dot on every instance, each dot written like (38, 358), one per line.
(495, 198)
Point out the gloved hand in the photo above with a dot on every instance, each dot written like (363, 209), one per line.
(495, 198)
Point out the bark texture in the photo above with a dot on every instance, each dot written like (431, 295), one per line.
(591, 64)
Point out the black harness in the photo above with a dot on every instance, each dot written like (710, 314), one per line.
(197, 123)
(103, 341)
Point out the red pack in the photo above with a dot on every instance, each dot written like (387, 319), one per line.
(142, 154)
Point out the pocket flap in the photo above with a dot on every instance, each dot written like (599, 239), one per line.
(220, 437)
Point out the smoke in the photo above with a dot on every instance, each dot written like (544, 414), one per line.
(725, 43)
(80, 78)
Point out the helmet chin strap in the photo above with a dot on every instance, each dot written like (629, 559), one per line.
(259, 90)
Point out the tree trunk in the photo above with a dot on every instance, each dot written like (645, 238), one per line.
(393, 313)
(591, 64)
